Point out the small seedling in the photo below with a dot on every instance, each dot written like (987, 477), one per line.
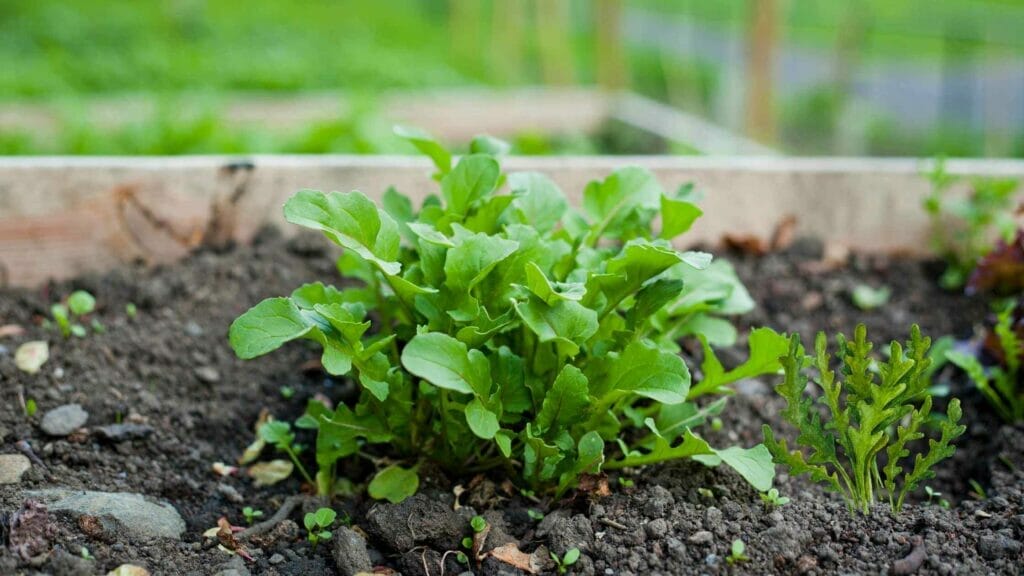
(30, 408)
(79, 303)
(868, 411)
(977, 490)
(867, 298)
(706, 493)
(131, 310)
(461, 557)
(287, 392)
(772, 499)
(737, 552)
(97, 326)
(317, 525)
(626, 482)
(478, 524)
(85, 554)
(251, 514)
(535, 515)
(936, 497)
(716, 424)
(279, 434)
(570, 558)
(467, 543)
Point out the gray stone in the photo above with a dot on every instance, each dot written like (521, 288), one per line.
(276, 559)
(658, 501)
(657, 529)
(64, 420)
(4, 432)
(564, 532)
(137, 517)
(12, 467)
(702, 537)
(234, 567)
(208, 374)
(350, 555)
(998, 546)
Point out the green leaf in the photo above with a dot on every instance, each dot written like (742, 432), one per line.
(615, 202)
(567, 323)
(566, 402)
(474, 178)
(446, 363)
(538, 201)
(427, 145)
(352, 221)
(473, 257)
(552, 292)
(81, 303)
(485, 144)
(482, 421)
(647, 371)
(753, 464)
(394, 484)
(266, 326)
(766, 347)
(677, 216)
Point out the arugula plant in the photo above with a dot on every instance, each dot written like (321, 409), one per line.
(491, 330)
(317, 524)
(865, 414)
(965, 227)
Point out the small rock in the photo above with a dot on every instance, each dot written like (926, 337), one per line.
(229, 492)
(658, 501)
(416, 520)
(702, 537)
(4, 433)
(564, 533)
(64, 420)
(350, 555)
(997, 546)
(192, 328)
(12, 467)
(122, 432)
(234, 567)
(275, 559)
(208, 374)
(137, 517)
(657, 529)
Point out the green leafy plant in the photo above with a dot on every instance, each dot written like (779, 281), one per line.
(66, 315)
(965, 226)
(772, 499)
(866, 414)
(1001, 383)
(251, 514)
(510, 330)
(572, 555)
(737, 552)
(317, 524)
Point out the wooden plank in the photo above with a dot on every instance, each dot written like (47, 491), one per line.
(62, 216)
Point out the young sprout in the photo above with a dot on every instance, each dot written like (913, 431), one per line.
(737, 552)
(535, 515)
(317, 524)
(287, 392)
(570, 558)
(30, 408)
(80, 303)
(937, 496)
(478, 524)
(772, 499)
(626, 482)
(251, 514)
(977, 490)
(279, 434)
(131, 310)
(85, 554)
(867, 298)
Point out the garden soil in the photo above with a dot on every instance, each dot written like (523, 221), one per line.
(185, 403)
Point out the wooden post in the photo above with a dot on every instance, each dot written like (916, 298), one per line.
(554, 41)
(762, 35)
(611, 61)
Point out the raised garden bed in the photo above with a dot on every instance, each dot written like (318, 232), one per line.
(167, 369)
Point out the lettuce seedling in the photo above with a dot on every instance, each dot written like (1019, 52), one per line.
(510, 330)
(317, 524)
(866, 414)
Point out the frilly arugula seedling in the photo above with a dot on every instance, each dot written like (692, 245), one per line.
(866, 414)
(510, 330)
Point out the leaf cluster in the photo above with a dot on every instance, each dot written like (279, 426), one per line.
(965, 226)
(66, 315)
(859, 434)
(1001, 380)
(495, 326)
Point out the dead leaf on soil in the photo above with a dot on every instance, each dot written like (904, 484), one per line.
(11, 330)
(222, 469)
(270, 473)
(31, 356)
(226, 537)
(479, 539)
(785, 233)
(746, 244)
(534, 563)
(594, 485)
(252, 452)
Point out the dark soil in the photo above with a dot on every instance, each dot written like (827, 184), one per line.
(170, 369)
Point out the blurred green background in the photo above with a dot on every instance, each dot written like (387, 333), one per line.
(857, 77)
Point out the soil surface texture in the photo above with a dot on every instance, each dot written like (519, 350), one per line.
(124, 472)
